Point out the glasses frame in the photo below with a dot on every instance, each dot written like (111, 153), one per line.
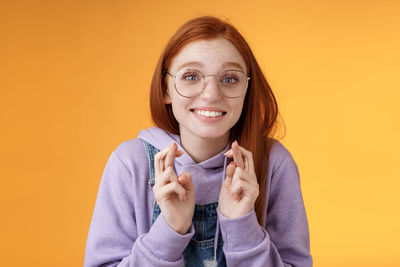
(204, 83)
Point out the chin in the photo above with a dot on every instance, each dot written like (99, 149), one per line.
(211, 133)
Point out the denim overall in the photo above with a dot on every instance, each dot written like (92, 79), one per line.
(200, 250)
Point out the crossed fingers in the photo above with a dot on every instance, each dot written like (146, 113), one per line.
(165, 158)
(166, 179)
(241, 157)
(240, 172)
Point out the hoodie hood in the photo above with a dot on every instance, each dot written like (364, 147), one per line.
(162, 139)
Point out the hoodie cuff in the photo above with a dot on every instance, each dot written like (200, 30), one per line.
(164, 242)
(242, 233)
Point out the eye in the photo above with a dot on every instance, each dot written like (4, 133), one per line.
(191, 76)
(230, 79)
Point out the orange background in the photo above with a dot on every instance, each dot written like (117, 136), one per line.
(74, 83)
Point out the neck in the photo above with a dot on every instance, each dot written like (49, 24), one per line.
(201, 149)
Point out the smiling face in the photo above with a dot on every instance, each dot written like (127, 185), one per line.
(209, 115)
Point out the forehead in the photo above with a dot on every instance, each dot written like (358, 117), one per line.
(212, 55)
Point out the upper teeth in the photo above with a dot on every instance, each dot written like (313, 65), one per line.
(206, 113)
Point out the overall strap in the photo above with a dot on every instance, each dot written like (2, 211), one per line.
(150, 151)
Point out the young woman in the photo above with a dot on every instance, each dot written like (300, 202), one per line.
(208, 186)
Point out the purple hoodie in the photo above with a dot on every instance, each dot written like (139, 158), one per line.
(121, 233)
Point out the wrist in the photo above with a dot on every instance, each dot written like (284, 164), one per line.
(183, 230)
(179, 227)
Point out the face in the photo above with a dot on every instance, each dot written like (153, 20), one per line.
(210, 115)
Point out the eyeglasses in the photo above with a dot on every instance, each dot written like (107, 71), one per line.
(190, 83)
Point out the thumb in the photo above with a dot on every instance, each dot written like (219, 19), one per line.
(185, 179)
(230, 169)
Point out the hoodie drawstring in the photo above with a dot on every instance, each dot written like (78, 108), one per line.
(217, 227)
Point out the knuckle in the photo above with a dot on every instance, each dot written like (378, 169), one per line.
(158, 180)
(156, 193)
(156, 187)
(174, 186)
(237, 184)
(256, 191)
(168, 170)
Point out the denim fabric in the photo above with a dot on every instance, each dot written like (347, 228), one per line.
(200, 250)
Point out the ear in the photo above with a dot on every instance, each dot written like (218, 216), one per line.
(167, 98)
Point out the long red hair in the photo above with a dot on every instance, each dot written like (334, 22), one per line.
(256, 126)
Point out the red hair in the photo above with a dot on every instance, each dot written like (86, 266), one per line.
(256, 125)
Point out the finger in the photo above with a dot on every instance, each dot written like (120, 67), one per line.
(235, 189)
(185, 179)
(171, 188)
(237, 155)
(159, 158)
(179, 153)
(166, 177)
(246, 176)
(170, 157)
(239, 185)
(229, 153)
(230, 169)
(248, 159)
(172, 175)
(242, 182)
(182, 179)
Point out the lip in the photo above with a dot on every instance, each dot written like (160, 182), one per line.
(208, 119)
(208, 109)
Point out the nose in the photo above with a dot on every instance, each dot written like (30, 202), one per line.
(211, 90)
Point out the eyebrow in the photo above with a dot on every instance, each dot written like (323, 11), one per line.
(224, 65)
(233, 64)
(191, 63)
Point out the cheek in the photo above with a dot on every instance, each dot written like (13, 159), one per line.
(178, 107)
(238, 107)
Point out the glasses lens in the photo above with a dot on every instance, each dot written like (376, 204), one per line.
(189, 83)
(233, 83)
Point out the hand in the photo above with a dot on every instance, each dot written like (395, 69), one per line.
(174, 194)
(240, 189)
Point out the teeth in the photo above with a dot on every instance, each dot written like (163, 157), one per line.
(206, 113)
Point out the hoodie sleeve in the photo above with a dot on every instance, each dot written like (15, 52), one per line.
(113, 238)
(284, 241)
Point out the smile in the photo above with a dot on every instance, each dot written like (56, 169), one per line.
(208, 114)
